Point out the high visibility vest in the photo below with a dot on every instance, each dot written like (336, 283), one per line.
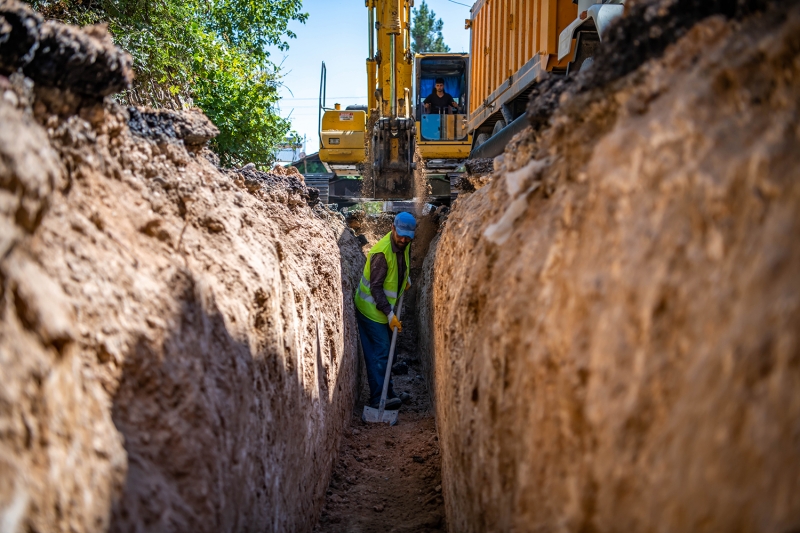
(364, 301)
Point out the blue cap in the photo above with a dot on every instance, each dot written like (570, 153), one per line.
(405, 224)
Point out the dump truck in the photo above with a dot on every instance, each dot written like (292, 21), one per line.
(512, 43)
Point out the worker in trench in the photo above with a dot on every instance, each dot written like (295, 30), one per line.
(386, 277)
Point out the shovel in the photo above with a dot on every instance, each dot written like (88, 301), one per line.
(370, 414)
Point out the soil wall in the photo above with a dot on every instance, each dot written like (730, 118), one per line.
(177, 343)
(614, 316)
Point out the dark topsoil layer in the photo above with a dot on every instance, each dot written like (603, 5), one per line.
(83, 60)
(644, 32)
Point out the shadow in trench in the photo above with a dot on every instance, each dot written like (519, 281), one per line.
(220, 437)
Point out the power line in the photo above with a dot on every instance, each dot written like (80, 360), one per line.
(329, 98)
(459, 3)
(312, 107)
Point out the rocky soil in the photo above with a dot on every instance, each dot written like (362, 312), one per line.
(178, 349)
(613, 318)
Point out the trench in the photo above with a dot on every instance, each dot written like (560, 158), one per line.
(597, 321)
(389, 478)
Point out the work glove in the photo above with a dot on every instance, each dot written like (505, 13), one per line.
(408, 286)
(394, 322)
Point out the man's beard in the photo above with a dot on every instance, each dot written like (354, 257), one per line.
(401, 245)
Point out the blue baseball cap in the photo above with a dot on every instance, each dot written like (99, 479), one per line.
(405, 224)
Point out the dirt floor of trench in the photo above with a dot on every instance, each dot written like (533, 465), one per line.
(389, 478)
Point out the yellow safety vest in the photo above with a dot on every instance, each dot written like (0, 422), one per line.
(364, 301)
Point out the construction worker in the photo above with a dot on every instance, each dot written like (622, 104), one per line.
(386, 276)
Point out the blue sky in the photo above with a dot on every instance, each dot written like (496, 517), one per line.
(336, 32)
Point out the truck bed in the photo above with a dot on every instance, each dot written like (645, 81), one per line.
(512, 42)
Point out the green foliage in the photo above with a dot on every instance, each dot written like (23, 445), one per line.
(369, 208)
(426, 31)
(209, 53)
(372, 208)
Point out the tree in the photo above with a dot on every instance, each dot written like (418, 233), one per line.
(426, 31)
(208, 53)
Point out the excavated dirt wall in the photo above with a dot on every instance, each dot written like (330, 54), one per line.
(614, 317)
(177, 343)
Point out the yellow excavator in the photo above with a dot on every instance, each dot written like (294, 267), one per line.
(395, 119)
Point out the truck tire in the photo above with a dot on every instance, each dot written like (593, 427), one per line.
(499, 125)
(587, 43)
(480, 139)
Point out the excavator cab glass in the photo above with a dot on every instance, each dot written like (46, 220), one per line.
(439, 119)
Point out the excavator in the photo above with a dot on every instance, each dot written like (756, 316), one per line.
(385, 141)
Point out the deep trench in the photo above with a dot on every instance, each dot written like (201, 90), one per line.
(389, 478)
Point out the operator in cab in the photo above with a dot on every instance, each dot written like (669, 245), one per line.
(439, 102)
(385, 278)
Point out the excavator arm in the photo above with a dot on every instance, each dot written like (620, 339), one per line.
(393, 131)
(387, 159)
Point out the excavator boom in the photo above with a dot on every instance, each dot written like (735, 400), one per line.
(378, 143)
(389, 85)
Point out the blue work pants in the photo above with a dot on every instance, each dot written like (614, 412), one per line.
(376, 339)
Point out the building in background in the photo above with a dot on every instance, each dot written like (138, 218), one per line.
(290, 150)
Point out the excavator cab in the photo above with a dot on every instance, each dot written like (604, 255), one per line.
(442, 139)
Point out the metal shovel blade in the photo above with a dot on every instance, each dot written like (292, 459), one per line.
(374, 416)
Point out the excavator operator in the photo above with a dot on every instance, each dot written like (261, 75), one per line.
(385, 278)
(438, 101)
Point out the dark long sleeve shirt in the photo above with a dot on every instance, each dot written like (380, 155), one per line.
(377, 275)
(439, 103)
